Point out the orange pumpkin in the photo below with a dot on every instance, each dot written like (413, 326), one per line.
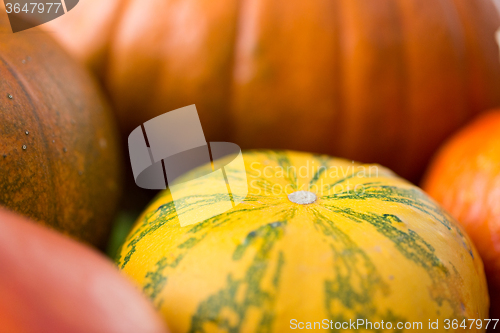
(465, 178)
(50, 283)
(60, 160)
(377, 81)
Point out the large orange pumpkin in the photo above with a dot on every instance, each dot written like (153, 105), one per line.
(378, 81)
(465, 178)
(59, 153)
(49, 283)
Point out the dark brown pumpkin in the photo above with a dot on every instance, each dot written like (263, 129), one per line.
(59, 153)
(378, 81)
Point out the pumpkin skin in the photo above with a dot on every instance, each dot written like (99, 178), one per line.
(387, 253)
(358, 79)
(465, 178)
(60, 159)
(86, 30)
(50, 283)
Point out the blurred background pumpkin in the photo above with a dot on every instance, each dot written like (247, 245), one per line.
(383, 81)
(50, 283)
(60, 158)
(465, 178)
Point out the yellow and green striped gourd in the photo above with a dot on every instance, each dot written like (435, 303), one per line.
(359, 243)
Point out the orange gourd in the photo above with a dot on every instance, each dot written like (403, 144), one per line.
(465, 178)
(377, 81)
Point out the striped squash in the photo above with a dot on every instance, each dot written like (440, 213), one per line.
(370, 246)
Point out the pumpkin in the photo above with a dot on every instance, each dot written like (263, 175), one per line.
(86, 33)
(465, 178)
(374, 81)
(60, 159)
(50, 283)
(316, 238)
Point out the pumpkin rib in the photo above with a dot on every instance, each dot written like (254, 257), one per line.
(401, 138)
(466, 56)
(462, 53)
(338, 70)
(23, 85)
(362, 93)
(341, 63)
(475, 40)
(118, 16)
(226, 116)
(406, 137)
(90, 144)
(67, 175)
(421, 65)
